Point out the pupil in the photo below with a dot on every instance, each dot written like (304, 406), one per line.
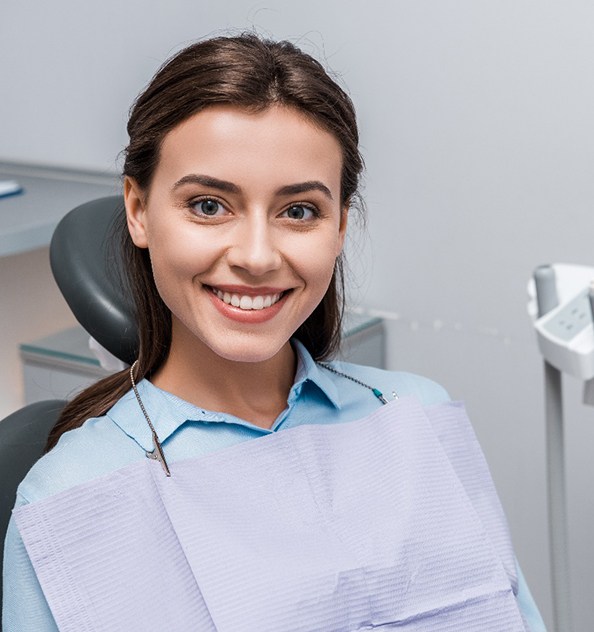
(296, 212)
(209, 207)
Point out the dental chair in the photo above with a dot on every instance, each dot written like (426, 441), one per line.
(85, 261)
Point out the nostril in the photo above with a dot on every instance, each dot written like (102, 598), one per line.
(254, 257)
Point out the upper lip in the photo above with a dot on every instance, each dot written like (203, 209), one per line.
(248, 290)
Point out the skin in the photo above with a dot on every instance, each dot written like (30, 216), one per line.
(247, 204)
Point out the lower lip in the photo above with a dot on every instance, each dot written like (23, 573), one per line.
(251, 316)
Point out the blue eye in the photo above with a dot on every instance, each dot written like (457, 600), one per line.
(299, 211)
(209, 207)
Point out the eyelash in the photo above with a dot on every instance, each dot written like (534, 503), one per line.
(194, 202)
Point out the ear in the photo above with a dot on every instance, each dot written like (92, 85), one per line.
(134, 201)
(342, 228)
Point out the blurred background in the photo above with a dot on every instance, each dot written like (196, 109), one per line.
(476, 125)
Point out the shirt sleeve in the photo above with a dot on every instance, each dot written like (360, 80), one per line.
(527, 605)
(24, 607)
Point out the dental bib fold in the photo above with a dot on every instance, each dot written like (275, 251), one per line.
(389, 522)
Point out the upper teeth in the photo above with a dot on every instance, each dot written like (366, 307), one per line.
(247, 302)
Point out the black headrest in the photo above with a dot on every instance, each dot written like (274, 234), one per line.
(86, 263)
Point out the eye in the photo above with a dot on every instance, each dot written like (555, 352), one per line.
(208, 207)
(300, 212)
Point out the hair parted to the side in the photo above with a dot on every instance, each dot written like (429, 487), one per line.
(248, 72)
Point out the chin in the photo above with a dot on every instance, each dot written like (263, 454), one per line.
(250, 351)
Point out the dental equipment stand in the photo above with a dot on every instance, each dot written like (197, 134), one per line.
(563, 310)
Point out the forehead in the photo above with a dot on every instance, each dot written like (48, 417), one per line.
(278, 145)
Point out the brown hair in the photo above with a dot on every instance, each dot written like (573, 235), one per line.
(254, 74)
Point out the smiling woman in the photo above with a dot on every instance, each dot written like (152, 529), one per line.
(243, 222)
(363, 501)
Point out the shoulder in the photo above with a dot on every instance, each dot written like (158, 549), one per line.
(96, 448)
(400, 383)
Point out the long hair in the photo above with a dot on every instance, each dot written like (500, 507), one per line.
(254, 74)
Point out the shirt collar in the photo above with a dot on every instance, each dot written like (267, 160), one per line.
(308, 370)
(168, 412)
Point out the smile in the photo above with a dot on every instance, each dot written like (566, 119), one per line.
(245, 302)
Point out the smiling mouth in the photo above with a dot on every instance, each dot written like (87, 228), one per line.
(245, 302)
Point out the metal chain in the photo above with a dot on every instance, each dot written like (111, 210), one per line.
(148, 419)
(157, 453)
(375, 391)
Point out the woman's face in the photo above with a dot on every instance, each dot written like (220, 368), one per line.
(243, 222)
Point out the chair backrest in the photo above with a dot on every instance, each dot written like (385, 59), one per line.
(86, 263)
(22, 440)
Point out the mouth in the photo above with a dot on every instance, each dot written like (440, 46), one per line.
(248, 302)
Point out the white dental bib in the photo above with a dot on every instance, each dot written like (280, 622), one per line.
(389, 522)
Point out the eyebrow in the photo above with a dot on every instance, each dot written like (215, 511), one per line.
(305, 187)
(207, 181)
(229, 187)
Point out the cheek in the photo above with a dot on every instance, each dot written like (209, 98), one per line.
(166, 276)
(175, 264)
(182, 251)
(317, 270)
(314, 256)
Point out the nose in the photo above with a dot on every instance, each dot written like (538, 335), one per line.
(254, 247)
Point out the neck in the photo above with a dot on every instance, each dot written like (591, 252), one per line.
(254, 391)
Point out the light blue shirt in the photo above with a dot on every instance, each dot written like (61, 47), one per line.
(122, 436)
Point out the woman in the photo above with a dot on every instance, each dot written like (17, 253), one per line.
(366, 511)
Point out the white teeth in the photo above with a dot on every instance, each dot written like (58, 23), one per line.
(247, 302)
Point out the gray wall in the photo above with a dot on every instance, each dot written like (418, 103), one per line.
(476, 122)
